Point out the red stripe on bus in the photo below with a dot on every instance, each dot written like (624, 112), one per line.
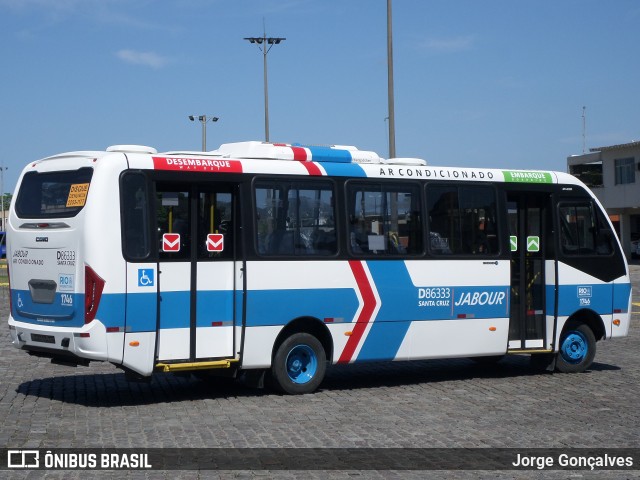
(312, 168)
(299, 153)
(366, 313)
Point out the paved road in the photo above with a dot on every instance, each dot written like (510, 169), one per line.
(452, 403)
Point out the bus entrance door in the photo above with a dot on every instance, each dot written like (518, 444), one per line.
(527, 215)
(197, 279)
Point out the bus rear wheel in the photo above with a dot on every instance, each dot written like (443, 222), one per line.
(577, 349)
(299, 364)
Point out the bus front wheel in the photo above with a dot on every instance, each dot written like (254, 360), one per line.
(299, 364)
(577, 349)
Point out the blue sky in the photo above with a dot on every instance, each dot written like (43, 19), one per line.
(494, 83)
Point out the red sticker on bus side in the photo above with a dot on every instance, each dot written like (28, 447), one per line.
(215, 242)
(221, 165)
(171, 242)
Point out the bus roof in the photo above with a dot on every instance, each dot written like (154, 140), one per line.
(331, 160)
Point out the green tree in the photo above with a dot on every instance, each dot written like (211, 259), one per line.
(7, 200)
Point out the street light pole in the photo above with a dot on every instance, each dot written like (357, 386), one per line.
(2, 169)
(266, 92)
(392, 116)
(203, 119)
(265, 44)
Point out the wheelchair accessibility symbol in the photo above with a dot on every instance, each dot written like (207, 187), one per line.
(145, 277)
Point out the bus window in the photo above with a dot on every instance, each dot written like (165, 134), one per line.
(295, 219)
(173, 219)
(136, 245)
(384, 220)
(215, 217)
(582, 232)
(53, 194)
(462, 220)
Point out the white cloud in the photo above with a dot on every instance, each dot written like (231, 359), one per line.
(145, 59)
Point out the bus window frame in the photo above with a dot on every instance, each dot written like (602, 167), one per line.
(149, 189)
(595, 212)
(69, 212)
(385, 186)
(299, 183)
(500, 212)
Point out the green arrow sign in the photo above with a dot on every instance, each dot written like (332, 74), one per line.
(533, 243)
(513, 240)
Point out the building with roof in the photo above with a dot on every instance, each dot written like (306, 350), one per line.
(611, 172)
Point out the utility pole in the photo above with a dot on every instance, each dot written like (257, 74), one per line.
(392, 117)
(584, 130)
(2, 169)
(264, 45)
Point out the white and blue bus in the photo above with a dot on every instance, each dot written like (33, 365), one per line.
(281, 259)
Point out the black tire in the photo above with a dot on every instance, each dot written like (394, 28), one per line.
(577, 349)
(299, 364)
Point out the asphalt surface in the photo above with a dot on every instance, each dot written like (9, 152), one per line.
(425, 404)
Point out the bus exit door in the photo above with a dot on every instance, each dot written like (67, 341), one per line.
(528, 237)
(197, 271)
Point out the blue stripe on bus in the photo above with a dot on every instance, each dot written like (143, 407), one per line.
(397, 292)
(403, 300)
(398, 303)
(400, 306)
(603, 299)
(214, 306)
(174, 309)
(572, 298)
(343, 169)
(621, 295)
(67, 314)
(141, 312)
(383, 341)
(327, 154)
(279, 307)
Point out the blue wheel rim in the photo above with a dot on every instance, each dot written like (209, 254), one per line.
(302, 364)
(574, 348)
